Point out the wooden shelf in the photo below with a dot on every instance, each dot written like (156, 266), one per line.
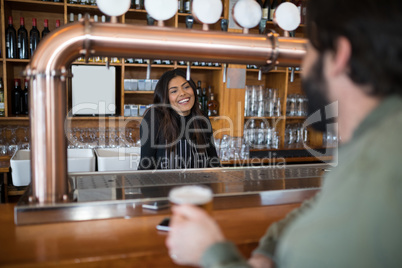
(15, 118)
(13, 190)
(200, 67)
(36, 2)
(94, 118)
(263, 117)
(139, 92)
(137, 10)
(295, 117)
(36, 6)
(96, 63)
(142, 65)
(271, 71)
(18, 60)
(83, 6)
(187, 14)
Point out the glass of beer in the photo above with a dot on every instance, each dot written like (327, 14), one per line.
(197, 195)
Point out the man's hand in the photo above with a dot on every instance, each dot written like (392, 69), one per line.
(192, 231)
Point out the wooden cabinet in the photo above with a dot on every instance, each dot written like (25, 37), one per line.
(231, 100)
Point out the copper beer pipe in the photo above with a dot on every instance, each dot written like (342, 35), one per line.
(49, 65)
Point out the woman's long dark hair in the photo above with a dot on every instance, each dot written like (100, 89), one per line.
(170, 127)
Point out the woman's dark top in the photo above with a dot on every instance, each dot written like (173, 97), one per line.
(184, 152)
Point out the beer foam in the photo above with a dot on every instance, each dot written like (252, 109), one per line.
(190, 194)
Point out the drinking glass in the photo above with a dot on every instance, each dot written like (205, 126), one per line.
(197, 195)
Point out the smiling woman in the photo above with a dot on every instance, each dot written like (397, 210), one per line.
(175, 134)
(181, 95)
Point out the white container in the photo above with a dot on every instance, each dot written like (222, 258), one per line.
(127, 85)
(78, 160)
(141, 84)
(21, 168)
(117, 159)
(148, 84)
(134, 84)
(154, 82)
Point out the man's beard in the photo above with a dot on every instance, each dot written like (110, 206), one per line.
(316, 89)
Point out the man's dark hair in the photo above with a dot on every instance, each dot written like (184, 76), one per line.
(374, 29)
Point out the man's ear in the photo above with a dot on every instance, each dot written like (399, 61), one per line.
(341, 56)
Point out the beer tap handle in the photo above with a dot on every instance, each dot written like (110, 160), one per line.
(292, 74)
(113, 9)
(206, 12)
(287, 17)
(224, 72)
(247, 14)
(161, 10)
(148, 76)
(113, 19)
(188, 71)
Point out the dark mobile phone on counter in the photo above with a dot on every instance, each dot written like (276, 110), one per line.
(164, 225)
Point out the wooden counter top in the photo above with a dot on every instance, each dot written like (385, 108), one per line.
(130, 242)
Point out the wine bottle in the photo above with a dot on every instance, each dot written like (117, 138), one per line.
(274, 4)
(213, 105)
(22, 40)
(187, 6)
(181, 6)
(137, 4)
(204, 100)
(11, 40)
(2, 109)
(45, 28)
(198, 90)
(57, 23)
(25, 98)
(266, 8)
(16, 99)
(259, 2)
(303, 11)
(34, 37)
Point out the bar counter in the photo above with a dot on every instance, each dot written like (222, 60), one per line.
(132, 242)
